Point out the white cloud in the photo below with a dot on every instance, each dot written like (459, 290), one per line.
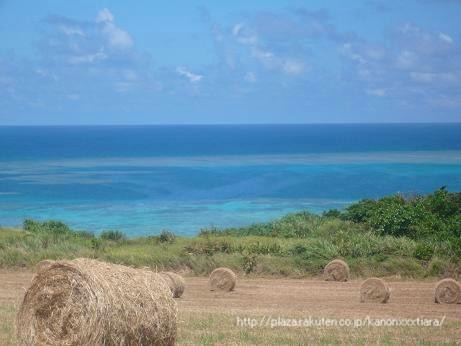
(130, 75)
(348, 51)
(428, 77)
(122, 87)
(250, 77)
(45, 74)
(247, 37)
(264, 56)
(417, 65)
(375, 53)
(70, 30)
(244, 35)
(117, 37)
(288, 66)
(444, 101)
(73, 97)
(406, 59)
(445, 38)
(376, 92)
(293, 67)
(192, 77)
(425, 77)
(104, 16)
(88, 58)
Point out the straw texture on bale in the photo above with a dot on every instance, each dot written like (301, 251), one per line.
(448, 291)
(42, 265)
(175, 282)
(336, 270)
(374, 290)
(87, 302)
(222, 279)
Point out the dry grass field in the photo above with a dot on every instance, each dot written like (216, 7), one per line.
(210, 318)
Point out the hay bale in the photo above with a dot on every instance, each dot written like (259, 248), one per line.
(42, 265)
(447, 291)
(374, 290)
(87, 302)
(336, 270)
(175, 282)
(222, 279)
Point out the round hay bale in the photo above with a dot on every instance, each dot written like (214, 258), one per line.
(336, 270)
(222, 279)
(374, 290)
(447, 291)
(175, 282)
(87, 302)
(42, 265)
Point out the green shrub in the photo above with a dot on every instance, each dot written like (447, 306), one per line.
(361, 211)
(333, 213)
(249, 263)
(444, 203)
(423, 252)
(298, 249)
(209, 246)
(51, 227)
(166, 237)
(263, 247)
(316, 249)
(84, 234)
(391, 215)
(96, 244)
(212, 231)
(113, 235)
(434, 216)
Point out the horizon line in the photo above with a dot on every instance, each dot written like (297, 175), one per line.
(231, 124)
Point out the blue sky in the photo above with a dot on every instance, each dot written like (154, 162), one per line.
(191, 62)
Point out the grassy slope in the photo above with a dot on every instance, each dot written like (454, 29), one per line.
(415, 236)
(367, 252)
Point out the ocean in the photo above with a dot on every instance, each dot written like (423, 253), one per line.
(145, 179)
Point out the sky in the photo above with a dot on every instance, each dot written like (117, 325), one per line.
(221, 62)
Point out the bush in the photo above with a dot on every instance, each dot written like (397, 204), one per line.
(209, 246)
(392, 216)
(84, 234)
(444, 203)
(96, 244)
(50, 227)
(333, 213)
(361, 211)
(212, 231)
(423, 252)
(436, 216)
(166, 237)
(315, 249)
(249, 263)
(113, 235)
(263, 247)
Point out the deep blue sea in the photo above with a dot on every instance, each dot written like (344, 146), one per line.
(143, 179)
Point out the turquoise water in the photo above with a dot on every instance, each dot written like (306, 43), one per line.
(142, 180)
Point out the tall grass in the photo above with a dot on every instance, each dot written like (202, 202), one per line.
(296, 245)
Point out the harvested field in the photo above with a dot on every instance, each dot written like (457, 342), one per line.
(210, 318)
